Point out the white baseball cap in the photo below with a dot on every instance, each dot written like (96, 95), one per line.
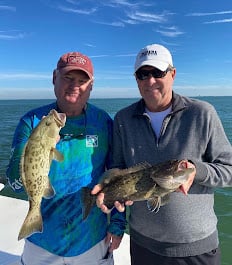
(154, 55)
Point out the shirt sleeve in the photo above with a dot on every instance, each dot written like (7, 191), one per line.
(117, 156)
(21, 135)
(118, 222)
(216, 168)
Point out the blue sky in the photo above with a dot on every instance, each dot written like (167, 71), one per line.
(34, 34)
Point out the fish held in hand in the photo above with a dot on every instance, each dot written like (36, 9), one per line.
(152, 183)
(35, 162)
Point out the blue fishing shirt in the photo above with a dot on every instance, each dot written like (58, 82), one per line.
(86, 145)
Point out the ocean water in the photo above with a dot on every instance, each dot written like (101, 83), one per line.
(12, 110)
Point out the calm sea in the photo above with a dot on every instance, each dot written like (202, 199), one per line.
(12, 110)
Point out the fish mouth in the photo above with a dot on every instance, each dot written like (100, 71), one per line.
(60, 118)
(182, 165)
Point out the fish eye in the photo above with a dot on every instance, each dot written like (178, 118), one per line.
(48, 123)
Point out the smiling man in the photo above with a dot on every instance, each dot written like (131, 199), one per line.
(161, 126)
(85, 142)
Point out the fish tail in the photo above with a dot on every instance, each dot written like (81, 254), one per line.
(88, 201)
(33, 223)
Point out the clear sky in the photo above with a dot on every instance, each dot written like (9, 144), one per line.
(34, 34)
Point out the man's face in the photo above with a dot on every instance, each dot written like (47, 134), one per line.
(72, 88)
(157, 92)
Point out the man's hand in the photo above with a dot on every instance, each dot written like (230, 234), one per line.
(100, 201)
(187, 185)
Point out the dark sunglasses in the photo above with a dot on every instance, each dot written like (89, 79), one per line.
(156, 73)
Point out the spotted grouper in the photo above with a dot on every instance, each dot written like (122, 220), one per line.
(35, 162)
(152, 183)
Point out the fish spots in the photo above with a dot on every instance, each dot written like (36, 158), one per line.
(39, 180)
(142, 182)
(42, 163)
(29, 182)
(35, 165)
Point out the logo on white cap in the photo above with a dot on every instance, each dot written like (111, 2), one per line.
(154, 55)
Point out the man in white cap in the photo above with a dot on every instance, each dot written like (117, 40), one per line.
(163, 126)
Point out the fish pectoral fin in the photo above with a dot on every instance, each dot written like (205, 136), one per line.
(56, 155)
(49, 191)
(165, 182)
(154, 204)
(165, 199)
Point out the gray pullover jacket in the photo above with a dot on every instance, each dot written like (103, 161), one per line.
(187, 225)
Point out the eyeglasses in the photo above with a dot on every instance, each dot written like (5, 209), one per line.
(156, 73)
(81, 135)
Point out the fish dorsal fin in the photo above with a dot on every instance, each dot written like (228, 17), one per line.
(115, 172)
(112, 173)
(137, 167)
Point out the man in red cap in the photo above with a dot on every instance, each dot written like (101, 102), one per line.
(85, 142)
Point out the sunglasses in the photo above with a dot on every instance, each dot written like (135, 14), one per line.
(156, 73)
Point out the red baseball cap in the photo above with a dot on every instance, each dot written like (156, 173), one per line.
(75, 61)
